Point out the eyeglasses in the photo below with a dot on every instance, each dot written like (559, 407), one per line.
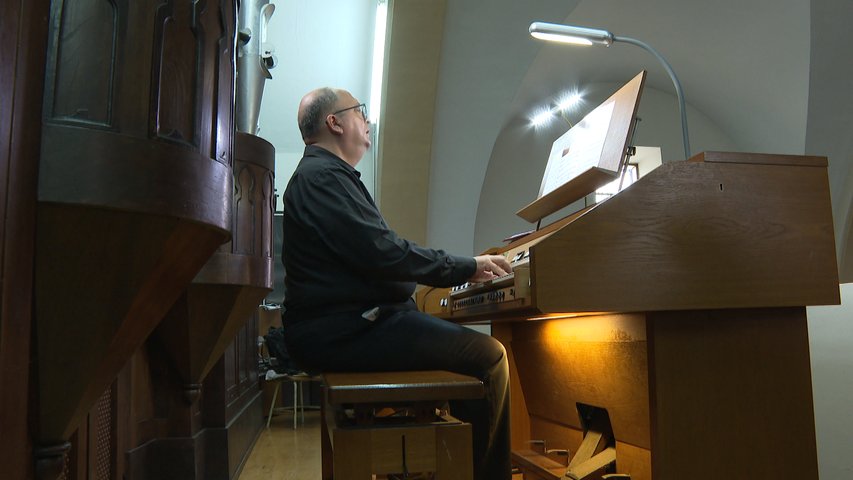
(362, 109)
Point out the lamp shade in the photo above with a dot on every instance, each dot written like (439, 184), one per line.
(570, 34)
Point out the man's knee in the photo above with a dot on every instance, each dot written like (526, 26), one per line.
(493, 349)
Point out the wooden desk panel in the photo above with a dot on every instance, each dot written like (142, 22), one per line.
(731, 394)
(596, 360)
(696, 235)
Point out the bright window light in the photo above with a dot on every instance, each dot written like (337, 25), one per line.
(378, 61)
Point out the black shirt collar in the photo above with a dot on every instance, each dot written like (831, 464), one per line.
(320, 152)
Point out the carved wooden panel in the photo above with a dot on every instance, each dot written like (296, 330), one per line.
(193, 60)
(225, 68)
(82, 72)
(226, 292)
(134, 185)
(253, 209)
(241, 365)
(178, 40)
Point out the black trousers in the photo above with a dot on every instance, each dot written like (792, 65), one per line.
(402, 338)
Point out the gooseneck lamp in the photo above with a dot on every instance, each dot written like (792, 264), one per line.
(571, 34)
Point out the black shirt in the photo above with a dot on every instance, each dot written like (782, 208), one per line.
(339, 252)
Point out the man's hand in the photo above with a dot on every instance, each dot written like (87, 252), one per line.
(489, 267)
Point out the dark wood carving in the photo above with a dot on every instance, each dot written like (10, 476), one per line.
(208, 439)
(210, 319)
(176, 81)
(228, 289)
(135, 184)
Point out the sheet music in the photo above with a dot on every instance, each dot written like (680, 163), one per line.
(577, 150)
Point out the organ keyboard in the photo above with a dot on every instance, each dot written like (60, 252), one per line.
(506, 296)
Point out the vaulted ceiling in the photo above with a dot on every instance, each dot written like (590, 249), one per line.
(744, 66)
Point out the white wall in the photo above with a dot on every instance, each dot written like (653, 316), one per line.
(830, 115)
(485, 55)
(830, 133)
(318, 43)
(831, 342)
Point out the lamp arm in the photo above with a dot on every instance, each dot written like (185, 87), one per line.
(678, 92)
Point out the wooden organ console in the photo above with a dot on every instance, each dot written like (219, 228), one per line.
(677, 307)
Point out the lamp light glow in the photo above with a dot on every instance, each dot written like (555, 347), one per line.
(572, 34)
(552, 37)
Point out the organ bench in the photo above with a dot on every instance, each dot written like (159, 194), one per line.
(395, 423)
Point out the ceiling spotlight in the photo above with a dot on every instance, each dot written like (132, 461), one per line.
(569, 102)
(541, 118)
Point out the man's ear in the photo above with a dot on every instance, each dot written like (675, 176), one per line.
(333, 125)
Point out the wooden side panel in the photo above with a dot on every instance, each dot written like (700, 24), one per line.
(732, 394)
(23, 32)
(695, 235)
(520, 432)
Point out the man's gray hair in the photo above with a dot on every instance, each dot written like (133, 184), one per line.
(315, 112)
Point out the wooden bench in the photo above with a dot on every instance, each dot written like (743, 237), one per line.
(389, 423)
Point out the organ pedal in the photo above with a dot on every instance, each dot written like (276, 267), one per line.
(595, 456)
(597, 450)
(559, 455)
